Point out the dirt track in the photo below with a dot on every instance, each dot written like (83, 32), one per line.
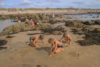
(18, 54)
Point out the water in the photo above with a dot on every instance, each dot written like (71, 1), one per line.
(59, 24)
(87, 16)
(5, 23)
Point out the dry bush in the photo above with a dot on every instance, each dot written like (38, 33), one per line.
(54, 30)
(90, 39)
(92, 36)
(88, 22)
(25, 27)
(17, 28)
(74, 24)
(97, 22)
(77, 31)
(91, 33)
(3, 42)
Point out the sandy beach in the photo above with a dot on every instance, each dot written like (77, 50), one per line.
(18, 54)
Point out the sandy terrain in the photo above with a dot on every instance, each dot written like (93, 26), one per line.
(19, 54)
(48, 11)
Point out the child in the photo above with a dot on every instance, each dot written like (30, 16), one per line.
(26, 21)
(67, 38)
(32, 22)
(36, 38)
(19, 21)
(56, 46)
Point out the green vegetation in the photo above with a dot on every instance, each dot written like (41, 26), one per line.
(2, 18)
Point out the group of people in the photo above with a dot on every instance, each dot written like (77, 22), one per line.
(56, 45)
(27, 21)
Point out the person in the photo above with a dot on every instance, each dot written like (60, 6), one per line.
(36, 38)
(19, 21)
(32, 22)
(56, 46)
(67, 38)
(26, 21)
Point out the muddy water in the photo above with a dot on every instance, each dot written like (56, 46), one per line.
(59, 24)
(87, 16)
(5, 23)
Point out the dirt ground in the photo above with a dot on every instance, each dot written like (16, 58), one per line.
(19, 54)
